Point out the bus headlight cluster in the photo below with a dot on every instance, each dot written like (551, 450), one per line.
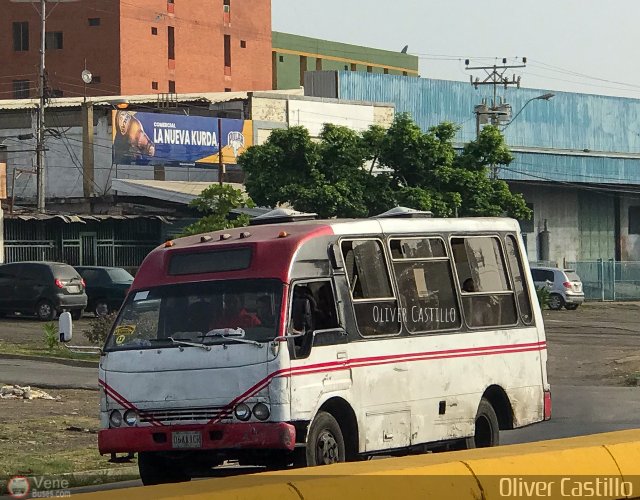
(260, 411)
(116, 418)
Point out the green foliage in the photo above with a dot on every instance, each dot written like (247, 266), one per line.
(334, 176)
(51, 336)
(216, 202)
(543, 296)
(99, 329)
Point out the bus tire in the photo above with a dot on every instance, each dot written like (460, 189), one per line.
(156, 469)
(325, 442)
(487, 429)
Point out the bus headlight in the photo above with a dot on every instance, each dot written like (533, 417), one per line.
(130, 418)
(243, 412)
(261, 411)
(115, 418)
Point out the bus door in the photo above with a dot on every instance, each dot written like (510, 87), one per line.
(319, 356)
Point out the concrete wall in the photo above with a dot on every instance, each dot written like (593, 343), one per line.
(313, 113)
(629, 243)
(559, 207)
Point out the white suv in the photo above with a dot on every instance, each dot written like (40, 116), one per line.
(564, 285)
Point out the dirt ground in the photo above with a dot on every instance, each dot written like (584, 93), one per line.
(598, 344)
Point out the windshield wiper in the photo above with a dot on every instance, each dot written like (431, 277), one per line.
(188, 344)
(228, 336)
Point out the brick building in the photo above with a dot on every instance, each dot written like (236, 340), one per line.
(141, 47)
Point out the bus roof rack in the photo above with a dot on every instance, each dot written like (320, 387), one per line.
(405, 213)
(280, 215)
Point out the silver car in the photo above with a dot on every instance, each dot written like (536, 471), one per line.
(564, 285)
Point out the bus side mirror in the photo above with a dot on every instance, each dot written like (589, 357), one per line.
(65, 327)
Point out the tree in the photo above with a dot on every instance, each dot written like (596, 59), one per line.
(216, 202)
(351, 174)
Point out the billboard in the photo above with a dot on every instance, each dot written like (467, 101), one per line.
(165, 139)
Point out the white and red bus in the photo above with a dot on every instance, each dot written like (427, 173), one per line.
(316, 342)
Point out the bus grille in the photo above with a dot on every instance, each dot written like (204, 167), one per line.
(183, 415)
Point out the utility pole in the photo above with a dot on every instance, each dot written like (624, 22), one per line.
(221, 167)
(498, 112)
(40, 159)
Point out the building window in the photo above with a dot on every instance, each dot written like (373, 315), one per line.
(154, 85)
(634, 220)
(226, 12)
(172, 87)
(96, 79)
(94, 21)
(227, 89)
(281, 59)
(21, 36)
(227, 51)
(243, 44)
(354, 67)
(227, 6)
(303, 69)
(21, 89)
(386, 71)
(154, 31)
(346, 68)
(55, 93)
(170, 7)
(171, 38)
(369, 69)
(53, 40)
(318, 64)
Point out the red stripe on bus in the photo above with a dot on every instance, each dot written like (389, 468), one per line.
(379, 360)
(118, 398)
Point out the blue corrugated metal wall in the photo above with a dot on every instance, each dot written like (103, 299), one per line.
(568, 121)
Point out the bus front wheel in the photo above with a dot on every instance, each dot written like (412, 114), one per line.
(325, 442)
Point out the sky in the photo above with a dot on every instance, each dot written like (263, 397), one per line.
(588, 46)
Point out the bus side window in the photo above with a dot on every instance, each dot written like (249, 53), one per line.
(519, 283)
(487, 297)
(374, 302)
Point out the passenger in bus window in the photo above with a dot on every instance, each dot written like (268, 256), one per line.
(235, 315)
(265, 312)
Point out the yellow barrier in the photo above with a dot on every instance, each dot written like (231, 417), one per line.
(599, 466)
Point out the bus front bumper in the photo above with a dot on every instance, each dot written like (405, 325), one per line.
(236, 436)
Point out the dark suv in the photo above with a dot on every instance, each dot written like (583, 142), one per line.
(41, 288)
(107, 287)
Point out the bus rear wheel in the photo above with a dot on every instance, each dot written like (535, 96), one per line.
(325, 442)
(156, 469)
(487, 433)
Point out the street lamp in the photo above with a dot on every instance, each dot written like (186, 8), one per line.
(543, 97)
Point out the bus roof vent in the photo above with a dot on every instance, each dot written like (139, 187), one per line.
(280, 215)
(405, 213)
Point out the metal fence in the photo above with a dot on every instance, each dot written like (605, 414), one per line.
(608, 280)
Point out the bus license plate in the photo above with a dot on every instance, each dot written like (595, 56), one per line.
(186, 439)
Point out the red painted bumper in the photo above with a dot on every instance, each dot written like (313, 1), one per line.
(257, 436)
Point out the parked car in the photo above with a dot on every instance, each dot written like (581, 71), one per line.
(106, 287)
(564, 285)
(43, 289)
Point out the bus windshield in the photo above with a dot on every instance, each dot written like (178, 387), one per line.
(207, 313)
